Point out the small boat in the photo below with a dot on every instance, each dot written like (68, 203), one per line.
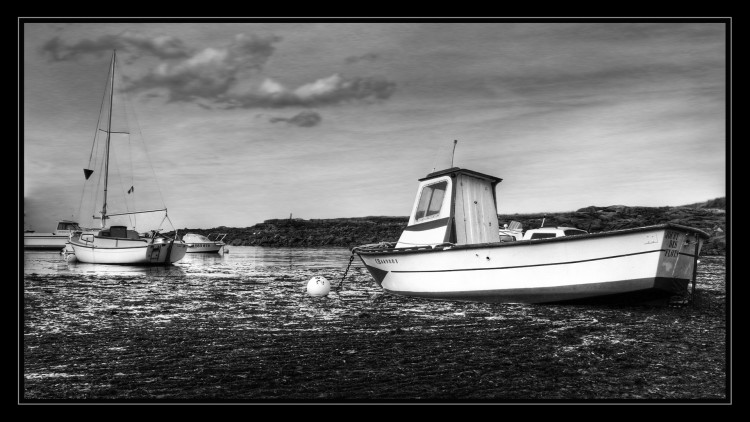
(119, 243)
(453, 249)
(515, 232)
(199, 243)
(54, 240)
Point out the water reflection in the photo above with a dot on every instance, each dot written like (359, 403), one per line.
(288, 257)
(241, 259)
(253, 287)
(51, 262)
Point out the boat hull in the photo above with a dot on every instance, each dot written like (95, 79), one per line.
(126, 251)
(204, 247)
(44, 241)
(643, 264)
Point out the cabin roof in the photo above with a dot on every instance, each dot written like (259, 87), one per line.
(457, 170)
(553, 228)
(196, 236)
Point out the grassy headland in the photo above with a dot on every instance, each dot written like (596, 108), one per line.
(709, 216)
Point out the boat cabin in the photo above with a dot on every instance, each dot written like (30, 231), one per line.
(120, 232)
(196, 238)
(67, 226)
(456, 206)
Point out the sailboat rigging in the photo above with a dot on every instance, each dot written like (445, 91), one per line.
(120, 244)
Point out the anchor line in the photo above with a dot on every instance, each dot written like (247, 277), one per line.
(351, 259)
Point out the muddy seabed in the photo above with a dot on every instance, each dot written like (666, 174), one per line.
(198, 334)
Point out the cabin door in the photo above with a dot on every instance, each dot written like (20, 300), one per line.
(476, 212)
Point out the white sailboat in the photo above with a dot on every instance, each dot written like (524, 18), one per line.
(452, 249)
(117, 241)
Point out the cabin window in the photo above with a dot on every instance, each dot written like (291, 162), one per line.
(542, 235)
(431, 200)
(118, 231)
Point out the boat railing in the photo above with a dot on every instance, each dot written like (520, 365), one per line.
(219, 237)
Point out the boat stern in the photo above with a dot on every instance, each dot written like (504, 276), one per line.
(178, 251)
(678, 260)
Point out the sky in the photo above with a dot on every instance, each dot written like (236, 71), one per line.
(249, 121)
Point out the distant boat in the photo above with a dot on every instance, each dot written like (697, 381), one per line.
(54, 240)
(452, 249)
(120, 244)
(515, 232)
(199, 243)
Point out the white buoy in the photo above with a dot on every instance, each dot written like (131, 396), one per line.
(318, 286)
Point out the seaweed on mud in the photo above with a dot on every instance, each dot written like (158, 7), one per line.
(202, 339)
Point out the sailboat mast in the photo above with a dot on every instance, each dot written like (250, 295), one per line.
(455, 141)
(109, 129)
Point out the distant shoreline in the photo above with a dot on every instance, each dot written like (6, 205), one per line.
(349, 232)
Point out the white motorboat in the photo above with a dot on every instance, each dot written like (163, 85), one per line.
(120, 243)
(205, 244)
(53, 240)
(452, 249)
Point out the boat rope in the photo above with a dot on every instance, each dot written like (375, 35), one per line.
(166, 217)
(351, 259)
(381, 245)
(99, 118)
(695, 270)
(392, 245)
(94, 144)
(130, 111)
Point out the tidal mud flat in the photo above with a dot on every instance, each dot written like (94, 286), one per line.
(224, 329)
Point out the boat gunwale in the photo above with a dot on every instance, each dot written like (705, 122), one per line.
(145, 241)
(92, 246)
(520, 243)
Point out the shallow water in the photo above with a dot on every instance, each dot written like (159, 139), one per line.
(79, 321)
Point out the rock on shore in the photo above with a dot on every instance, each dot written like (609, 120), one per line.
(348, 232)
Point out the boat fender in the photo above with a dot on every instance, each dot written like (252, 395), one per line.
(69, 256)
(318, 286)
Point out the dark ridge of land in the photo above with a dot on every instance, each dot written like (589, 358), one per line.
(349, 232)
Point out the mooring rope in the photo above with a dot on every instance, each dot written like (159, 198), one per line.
(351, 259)
(380, 245)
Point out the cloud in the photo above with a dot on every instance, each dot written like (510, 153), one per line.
(210, 73)
(163, 46)
(334, 89)
(228, 77)
(303, 119)
(610, 84)
(231, 77)
(369, 57)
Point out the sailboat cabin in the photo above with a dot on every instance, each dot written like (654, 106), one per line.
(456, 206)
(119, 232)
